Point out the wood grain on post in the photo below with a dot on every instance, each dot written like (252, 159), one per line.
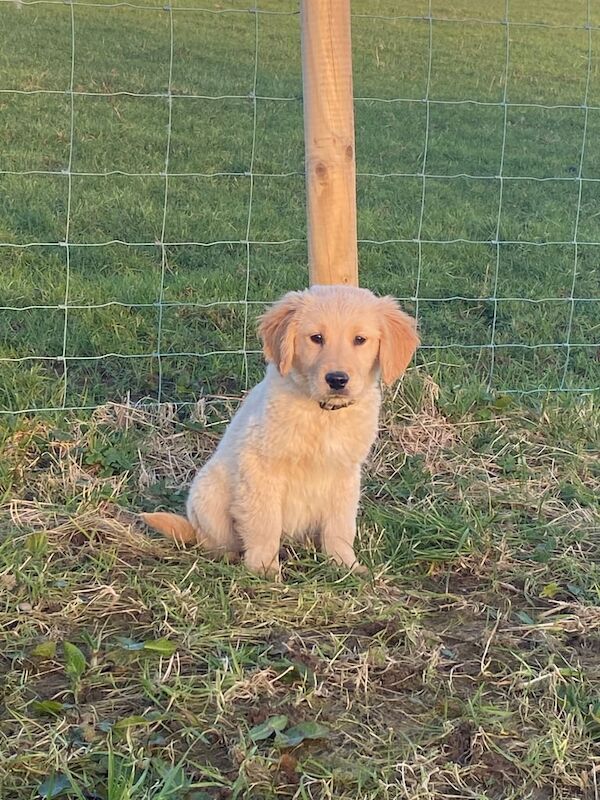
(329, 141)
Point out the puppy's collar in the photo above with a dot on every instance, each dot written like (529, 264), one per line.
(326, 407)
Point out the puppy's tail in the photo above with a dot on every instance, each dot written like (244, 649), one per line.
(173, 526)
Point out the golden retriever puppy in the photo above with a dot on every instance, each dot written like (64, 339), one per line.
(289, 463)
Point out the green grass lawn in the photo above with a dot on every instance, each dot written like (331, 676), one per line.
(467, 665)
(117, 195)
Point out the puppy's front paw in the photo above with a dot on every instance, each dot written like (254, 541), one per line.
(265, 565)
(346, 559)
(354, 567)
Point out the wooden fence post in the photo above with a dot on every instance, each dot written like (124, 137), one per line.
(329, 141)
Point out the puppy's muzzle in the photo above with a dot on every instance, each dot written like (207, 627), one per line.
(338, 399)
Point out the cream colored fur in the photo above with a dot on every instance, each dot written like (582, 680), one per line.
(289, 463)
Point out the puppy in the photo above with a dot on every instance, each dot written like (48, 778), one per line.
(289, 463)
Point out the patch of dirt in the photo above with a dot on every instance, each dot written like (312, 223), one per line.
(222, 793)
(585, 644)
(287, 768)
(493, 769)
(50, 685)
(459, 743)
(400, 678)
(214, 750)
(461, 582)
(392, 630)
(371, 628)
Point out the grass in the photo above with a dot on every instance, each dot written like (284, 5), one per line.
(127, 50)
(466, 665)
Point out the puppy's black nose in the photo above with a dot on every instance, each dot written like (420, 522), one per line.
(337, 380)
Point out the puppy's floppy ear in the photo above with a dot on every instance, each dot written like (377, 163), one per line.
(399, 340)
(276, 328)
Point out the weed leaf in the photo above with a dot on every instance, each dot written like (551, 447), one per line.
(54, 786)
(161, 646)
(48, 708)
(305, 730)
(268, 728)
(75, 663)
(130, 722)
(129, 644)
(44, 650)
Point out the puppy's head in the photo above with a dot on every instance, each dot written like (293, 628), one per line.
(334, 341)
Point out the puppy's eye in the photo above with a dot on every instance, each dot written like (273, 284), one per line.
(317, 338)
(359, 340)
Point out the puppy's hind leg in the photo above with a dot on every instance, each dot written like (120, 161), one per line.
(208, 522)
(209, 512)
